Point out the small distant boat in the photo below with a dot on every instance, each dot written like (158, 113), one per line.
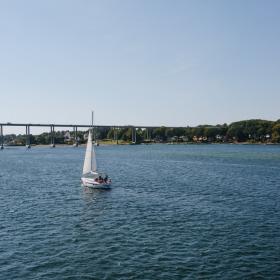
(91, 177)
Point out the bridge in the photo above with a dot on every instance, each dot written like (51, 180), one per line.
(75, 129)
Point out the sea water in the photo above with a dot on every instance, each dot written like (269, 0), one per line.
(174, 212)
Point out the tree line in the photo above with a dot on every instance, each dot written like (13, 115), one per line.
(252, 131)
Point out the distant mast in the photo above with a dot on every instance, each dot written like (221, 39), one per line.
(93, 127)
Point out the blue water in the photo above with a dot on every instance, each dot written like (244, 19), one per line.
(174, 212)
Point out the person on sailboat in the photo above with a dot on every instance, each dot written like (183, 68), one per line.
(106, 179)
(100, 179)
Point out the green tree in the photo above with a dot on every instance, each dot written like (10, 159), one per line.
(276, 133)
(159, 133)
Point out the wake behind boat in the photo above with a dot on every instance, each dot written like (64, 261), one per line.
(91, 177)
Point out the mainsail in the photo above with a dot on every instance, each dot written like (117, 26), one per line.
(90, 159)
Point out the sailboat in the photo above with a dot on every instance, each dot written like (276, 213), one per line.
(91, 177)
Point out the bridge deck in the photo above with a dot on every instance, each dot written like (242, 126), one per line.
(82, 125)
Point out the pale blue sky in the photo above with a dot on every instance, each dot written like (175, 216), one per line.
(139, 62)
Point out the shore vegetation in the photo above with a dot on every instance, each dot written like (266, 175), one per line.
(247, 131)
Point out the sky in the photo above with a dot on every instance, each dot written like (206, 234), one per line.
(148, 62)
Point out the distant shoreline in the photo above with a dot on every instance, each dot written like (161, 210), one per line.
(254, 131)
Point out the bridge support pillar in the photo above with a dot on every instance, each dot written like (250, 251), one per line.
(116, 130)
(2, 138)
(133, 135)
(147, 134)
(52, 137)
(27, 141)
(76, 143)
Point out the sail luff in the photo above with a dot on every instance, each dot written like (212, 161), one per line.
(88, 156)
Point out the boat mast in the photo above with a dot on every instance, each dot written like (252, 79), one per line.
(92, 117)
(93, 127)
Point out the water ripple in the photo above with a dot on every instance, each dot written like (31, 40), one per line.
(175, 212)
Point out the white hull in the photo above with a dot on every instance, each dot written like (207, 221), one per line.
(91, 183)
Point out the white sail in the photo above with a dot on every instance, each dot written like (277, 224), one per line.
(90, 159)
(93, 160)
